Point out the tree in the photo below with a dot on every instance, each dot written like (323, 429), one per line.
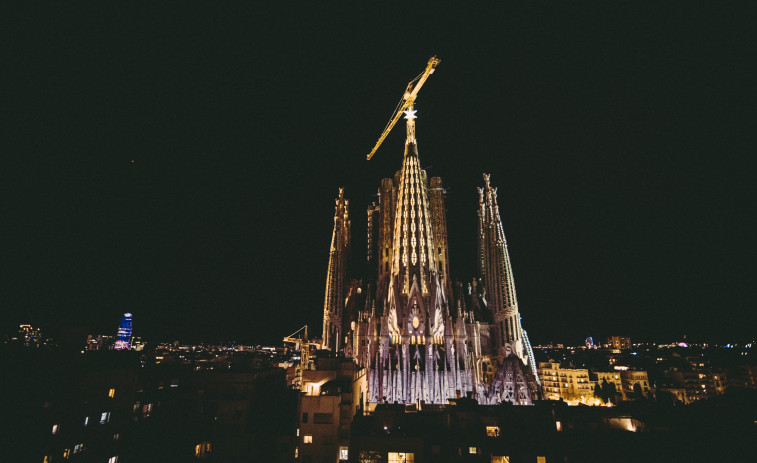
(665, 397)
(637, 393)
(599, 392)
(605, 392)
(611, 392)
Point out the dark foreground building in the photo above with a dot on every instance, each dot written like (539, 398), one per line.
(68, 407)
(554, 432)
(103, 406)
(209, 415)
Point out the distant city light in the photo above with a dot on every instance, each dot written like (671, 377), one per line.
(123, 337)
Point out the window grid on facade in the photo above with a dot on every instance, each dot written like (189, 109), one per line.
(401, 457)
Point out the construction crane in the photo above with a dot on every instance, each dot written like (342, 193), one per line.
(407, 100)
(304, 347)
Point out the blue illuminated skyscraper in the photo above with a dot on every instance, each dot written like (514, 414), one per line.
(123, 339)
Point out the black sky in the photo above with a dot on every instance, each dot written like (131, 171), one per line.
(181, 161)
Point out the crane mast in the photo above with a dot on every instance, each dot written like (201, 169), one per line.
(304, 345)
(407, 101)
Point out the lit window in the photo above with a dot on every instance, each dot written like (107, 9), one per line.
(104, 417)
(86, 420)
(400, 457)
(541, 459)
(307, 439)
(298, 432)
(116, 436)
(492, 431)
(472, 450)
(344, 453)
(500, 459)
(78, 448)
(111, 392)
(66, 453)
(296, 451)
(113, 459)
(558, 425)
(202, 449)
(55, 429)
(47, 459)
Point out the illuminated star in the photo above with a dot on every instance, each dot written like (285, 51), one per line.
(410, 114)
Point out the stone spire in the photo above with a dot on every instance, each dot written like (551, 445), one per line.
(336, 278)
(439, 228)
(413, 235)
(414, 287)
(497, 274)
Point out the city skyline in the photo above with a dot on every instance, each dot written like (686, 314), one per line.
(187, 175)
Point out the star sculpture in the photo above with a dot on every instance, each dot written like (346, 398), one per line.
(410, 114)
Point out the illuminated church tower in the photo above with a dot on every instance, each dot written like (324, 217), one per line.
(510, 339)
(333, 305)
(405, 337)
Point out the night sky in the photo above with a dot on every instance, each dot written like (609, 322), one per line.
(181, 162)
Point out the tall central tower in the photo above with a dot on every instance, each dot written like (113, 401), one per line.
(412, 348)
(414, 295)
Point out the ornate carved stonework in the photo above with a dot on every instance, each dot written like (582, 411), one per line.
(418, 340)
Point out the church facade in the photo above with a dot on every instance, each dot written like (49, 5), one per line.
(420, 336)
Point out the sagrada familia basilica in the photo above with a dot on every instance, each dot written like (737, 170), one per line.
(420, 336)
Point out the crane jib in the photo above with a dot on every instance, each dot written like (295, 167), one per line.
(409, 97)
